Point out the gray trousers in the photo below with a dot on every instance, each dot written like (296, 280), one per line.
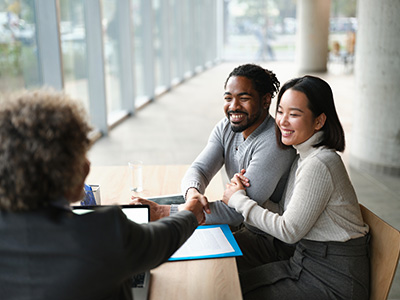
(315, 270)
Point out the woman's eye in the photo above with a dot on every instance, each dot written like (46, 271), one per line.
(279, 112)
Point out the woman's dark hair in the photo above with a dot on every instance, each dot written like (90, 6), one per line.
(264, 81)
(320, 100)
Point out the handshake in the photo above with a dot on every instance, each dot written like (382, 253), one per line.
(196, 203)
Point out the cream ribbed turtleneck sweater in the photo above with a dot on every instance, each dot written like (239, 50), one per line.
(319, 202)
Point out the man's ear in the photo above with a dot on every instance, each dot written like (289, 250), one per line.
(320, 121)
(266, 100)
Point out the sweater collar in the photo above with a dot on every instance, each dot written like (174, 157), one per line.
(306, 148)
(259, 129)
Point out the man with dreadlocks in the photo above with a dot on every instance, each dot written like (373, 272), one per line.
(244, 141)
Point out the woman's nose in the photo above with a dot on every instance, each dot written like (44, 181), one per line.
(283, 119)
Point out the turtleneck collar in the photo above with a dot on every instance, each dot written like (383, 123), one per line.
(306, 148)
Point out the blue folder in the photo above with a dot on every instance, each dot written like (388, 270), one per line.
(229, 236)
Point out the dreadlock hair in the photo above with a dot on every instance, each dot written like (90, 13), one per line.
(264, 81)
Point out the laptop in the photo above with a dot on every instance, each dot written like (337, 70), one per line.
(139, 214)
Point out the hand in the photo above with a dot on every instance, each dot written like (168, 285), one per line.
(193, 194)
(245, 181)
(196, 207)
(231, 188)
(157, 211)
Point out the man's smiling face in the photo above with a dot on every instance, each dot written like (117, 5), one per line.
(243, 106)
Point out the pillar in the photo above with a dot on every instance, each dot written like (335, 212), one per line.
(312, 35)
(376, 125)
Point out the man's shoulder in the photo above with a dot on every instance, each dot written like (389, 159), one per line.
(222, 125)
(266, 130)
(223, 130)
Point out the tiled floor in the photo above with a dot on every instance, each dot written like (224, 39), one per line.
(174, 128)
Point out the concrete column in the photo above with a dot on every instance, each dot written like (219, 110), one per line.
(376, 125)
(312, 35)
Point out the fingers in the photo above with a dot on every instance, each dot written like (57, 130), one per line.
(244, 180)
(196, 207)
(206, 206)
(201, 217)
(236, 179)
(138, 201)
(134, 201)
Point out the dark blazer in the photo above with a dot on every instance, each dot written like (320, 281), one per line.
(54, 254)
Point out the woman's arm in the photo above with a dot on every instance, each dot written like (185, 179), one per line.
(312, 189)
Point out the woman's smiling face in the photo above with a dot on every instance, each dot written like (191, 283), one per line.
(295, 120)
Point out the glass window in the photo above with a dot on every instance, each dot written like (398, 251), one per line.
(188, 16)
(175, 45)
(138, 47)
(158, 47)
(73, 48)
(112, 58)
(342, 37)
(260, 30)
(19, 66)
(161, 48)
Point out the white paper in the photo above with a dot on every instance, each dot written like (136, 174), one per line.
(204, 242)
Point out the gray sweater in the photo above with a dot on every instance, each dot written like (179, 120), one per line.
(267, 166)
(319, 203)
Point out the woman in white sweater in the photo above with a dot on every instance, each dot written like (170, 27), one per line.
(318, 246)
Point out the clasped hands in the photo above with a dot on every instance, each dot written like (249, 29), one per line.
(196, 202)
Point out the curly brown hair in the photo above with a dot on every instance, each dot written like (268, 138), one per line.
(43, 146)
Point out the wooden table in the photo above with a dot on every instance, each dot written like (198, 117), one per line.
(208, 279)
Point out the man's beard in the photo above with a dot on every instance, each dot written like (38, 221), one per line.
(250, 121)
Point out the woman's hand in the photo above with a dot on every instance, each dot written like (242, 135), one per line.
(245, 181)
(231, 188)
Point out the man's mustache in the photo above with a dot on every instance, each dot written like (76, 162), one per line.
(237, 112)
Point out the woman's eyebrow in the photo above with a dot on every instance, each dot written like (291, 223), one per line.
(292, 108)
(296, 109)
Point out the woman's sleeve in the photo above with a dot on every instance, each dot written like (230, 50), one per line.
(312, 190)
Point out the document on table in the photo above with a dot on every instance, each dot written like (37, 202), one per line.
(208, 241)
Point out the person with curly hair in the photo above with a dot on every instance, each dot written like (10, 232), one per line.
(47, 251)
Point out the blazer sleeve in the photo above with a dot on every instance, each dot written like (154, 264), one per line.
(145, 246)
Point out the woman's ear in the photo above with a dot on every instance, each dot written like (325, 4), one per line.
(320, 121)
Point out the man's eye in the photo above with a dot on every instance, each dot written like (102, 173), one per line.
(244, 99)
(227, 98)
